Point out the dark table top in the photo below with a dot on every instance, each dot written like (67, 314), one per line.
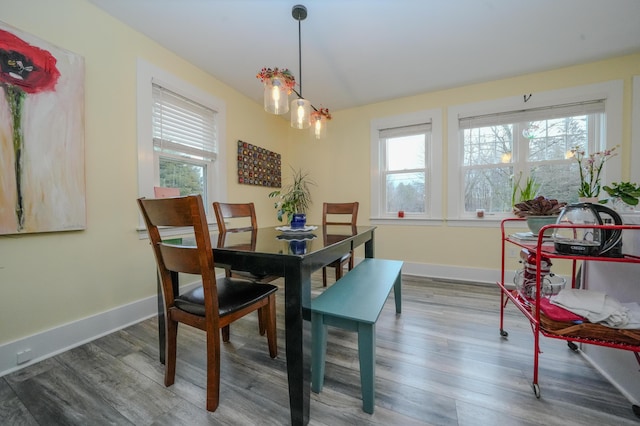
(273, 241)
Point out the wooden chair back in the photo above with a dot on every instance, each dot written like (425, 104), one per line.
(241, 217)
(340, 213)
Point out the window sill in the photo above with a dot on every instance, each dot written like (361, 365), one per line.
(406, 221)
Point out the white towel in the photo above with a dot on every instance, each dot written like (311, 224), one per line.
(595, 306)
(634, 315)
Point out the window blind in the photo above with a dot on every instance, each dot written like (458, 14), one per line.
(182, 126)
(397, 132)
(533, 114)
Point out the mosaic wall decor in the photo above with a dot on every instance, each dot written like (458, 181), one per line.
(258, 166)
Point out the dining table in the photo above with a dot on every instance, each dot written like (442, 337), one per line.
(293, 255)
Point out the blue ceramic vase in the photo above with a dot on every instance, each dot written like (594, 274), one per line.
(298, 247)
(298, 221)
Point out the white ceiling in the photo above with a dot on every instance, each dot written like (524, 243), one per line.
(357, 52)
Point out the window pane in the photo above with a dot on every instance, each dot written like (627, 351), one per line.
(559, 181)
(406, 152)
(552, 139)
(488, 189)
(488, 145)
(190, 178)
(405, 191)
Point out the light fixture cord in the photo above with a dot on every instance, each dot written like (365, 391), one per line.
(300, 55)
(299, 19)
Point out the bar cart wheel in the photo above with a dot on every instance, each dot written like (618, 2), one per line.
(503, 333)
(536, 390)
(572, 346)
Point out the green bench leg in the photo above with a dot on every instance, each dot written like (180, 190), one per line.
(397, 293)
(318, 350)
(367, 355)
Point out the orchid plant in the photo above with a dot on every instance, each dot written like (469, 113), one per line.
(590, 168)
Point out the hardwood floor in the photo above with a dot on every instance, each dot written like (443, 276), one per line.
(441, 362)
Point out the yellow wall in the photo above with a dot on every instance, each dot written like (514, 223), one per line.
(51, 279)
(55, 278)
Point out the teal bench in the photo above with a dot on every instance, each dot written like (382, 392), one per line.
(354, 303)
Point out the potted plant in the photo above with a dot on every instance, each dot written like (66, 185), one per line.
(623, 195)
(293, 200)
(539, 211)
(590, 168)
(527, 192)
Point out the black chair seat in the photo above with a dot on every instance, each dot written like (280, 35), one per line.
(233, 295)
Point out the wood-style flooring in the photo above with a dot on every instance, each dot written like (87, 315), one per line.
(441, 362)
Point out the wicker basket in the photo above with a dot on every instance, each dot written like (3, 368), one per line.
(591, 331)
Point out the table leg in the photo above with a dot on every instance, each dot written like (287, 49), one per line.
(369, 247)
(297, 335)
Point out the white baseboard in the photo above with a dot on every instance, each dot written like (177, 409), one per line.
(457, 273)
(40, 346)
(46, 344)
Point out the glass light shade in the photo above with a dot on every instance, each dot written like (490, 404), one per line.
(276, 97)
(318, 126)
(300, 114)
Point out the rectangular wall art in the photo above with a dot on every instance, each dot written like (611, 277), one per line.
(42, 174)
(258, 166)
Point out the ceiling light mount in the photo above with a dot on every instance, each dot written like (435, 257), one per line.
(299, 12)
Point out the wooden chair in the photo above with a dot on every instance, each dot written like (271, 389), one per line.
(214, 304)
(243, 215)
(242, 218)
(336, 214)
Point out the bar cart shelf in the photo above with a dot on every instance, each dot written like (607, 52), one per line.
(573, 333)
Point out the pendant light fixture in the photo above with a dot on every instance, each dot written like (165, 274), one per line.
(278, 84)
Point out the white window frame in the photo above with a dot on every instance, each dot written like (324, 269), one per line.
(148, 163)
(433, 168)
(611, 92)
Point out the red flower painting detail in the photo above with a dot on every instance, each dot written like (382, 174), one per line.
(24, 69)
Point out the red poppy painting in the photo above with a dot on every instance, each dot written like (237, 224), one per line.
(42, 187)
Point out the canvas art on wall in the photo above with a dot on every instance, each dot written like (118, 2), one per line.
(42, 182)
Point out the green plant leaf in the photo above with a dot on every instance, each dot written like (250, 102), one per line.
(629, 199)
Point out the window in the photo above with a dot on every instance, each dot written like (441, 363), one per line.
(504, 150)
(181, 132)
(184, 142)
(405, 165)
(497, 149)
